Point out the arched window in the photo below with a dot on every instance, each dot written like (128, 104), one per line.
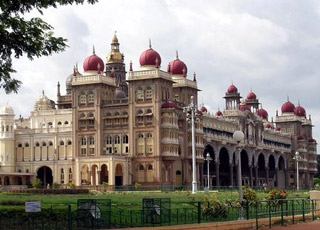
(116, 114)
(50, 143)
(62, 176)
(37, 144)
(150, 167)
(91, 115)
(125, 139)
(117, 140)
(61, 142)
(69, 142)
(141, 167)
(44, 144)
(7, 128)
(91, 140)
(27, 170)
(125, 113)
(83, 141)
(91, 97)
(66, 123)
(50, 124)
(82, 115)
(148, 93)
(59, 123)
(140, 111)
(19, 145)
(140, 135)
(82, 99)
(149, 111)
(26, 145)
(109, 140)
(149, 135)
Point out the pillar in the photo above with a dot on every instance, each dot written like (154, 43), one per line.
(267, 175)
(250, 176)
(277, 178)
(91, 177)
(98, 177)
(286, 178)
(231, 175)
(217, 174)
(256, 170)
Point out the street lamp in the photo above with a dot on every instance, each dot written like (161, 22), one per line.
(297, 158)
(238, 136)
(193, 111)
(208, 159)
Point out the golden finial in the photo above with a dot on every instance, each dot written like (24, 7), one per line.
(93, 50)
(115, 38)
(177, 55)
(150, 47)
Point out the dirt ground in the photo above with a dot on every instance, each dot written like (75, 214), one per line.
(300, 226)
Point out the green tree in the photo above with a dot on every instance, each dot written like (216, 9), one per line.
(19, 36)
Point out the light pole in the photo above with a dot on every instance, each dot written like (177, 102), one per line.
(192, 109)
(208, 159)
(297, 158)
(238, 136)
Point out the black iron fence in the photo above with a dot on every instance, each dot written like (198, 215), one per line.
(102, 213)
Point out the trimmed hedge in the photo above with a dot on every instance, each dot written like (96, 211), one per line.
(51, 191)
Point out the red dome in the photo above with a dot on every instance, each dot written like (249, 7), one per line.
(268, 126)
(244, 108)
(91, 63)
(232, 89)
(252, 96)
(149, 57)
(312, 140)
(169, 105)
(300, 111)
(203, 109)
(301, 138)
(287, 107)
(178, 67)
(219, 113)
(263, 113)
(278, 129)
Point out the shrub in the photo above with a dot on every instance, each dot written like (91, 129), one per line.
(214, 208)
(55, 185)
(105, 186)
(12, 202)
(71, 185)
(37, 183)
(249, 196)
(137, 186)
(277, 194)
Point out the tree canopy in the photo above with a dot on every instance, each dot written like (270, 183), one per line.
(33, 38)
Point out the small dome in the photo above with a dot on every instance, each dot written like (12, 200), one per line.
(44, 103)
(219, 113)
(263, 113)
(278, 129)
(301, 138)
(6, 110)
(287, 107)
(120, 94)
(93, 63)
(203, 109)
(312, 140)
(178, 67)
(232, 89)
(252, 96)
(169, 105)
(150, 57)
(300, 111)
(244, 107)
(268, 126)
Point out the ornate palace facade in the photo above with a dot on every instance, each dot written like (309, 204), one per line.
(121, 128)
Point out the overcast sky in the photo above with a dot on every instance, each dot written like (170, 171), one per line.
(272, 47)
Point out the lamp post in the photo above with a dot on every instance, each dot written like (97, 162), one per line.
(238, 136)
(297, 158)
(208, 159)
(193, 111)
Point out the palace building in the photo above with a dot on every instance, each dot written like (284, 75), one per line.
(125, 126)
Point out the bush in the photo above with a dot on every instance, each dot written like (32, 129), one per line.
(105, 186)
(37, 183)
(249, 196)
(137, 186)
(214, 208)
(277, 194)
(55, 185)
(71, 185)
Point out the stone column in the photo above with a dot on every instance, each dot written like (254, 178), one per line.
(256, 169)
(286, 178)
(250, 176)
(98, 176)
(231, 174)
(217, 174)
(91, 177)
(267, 175)
(277, 177)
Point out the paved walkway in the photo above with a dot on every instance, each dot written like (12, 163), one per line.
(301, 226)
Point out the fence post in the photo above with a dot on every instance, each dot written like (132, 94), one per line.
(281, 212)
(269, 214)
(248, 206)
(199, 212)
(303, 212)
(312, 209)
(69, 217)
(257, 226)
(292, 202)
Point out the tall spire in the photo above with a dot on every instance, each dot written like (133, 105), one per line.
(287, 97)
(93, 50)
(58, 89)
(177, 55)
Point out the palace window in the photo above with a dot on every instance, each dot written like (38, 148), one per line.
(83, 99)
(91, 140)
(83, 151)
(91, 151)
(125, 139)
(117, 140)
(91, 98)
(109, 140)
(62, 176)
(70, 175)
(149, 94)
(140, 94)
(83, 141)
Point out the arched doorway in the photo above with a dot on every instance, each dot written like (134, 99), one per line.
(104, 176)
(178, 178)
(212, 167)
(224, 168)
(281, 183)
(85, 175)
(6, 180)
(245, 168)
(119, 175)
(94, 176)
(45, 175)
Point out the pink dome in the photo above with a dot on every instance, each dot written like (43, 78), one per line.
(268, 126)
(150, 57)
(244, 108)
(219, 113)
(312, 140)
(300, 111)
(287, 107)
(178, 67)
(232, 89)
(203, 109)
(252, 96)
(92, 62)
(263, 113)
(278, 129)
(301, 138)
(169, 105)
